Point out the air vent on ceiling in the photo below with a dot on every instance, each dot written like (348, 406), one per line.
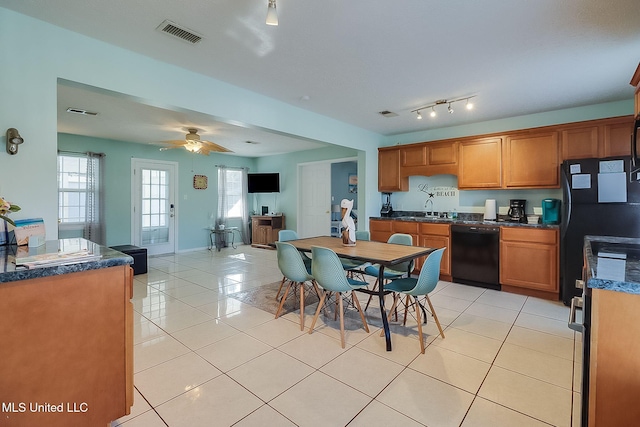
(81, 111)
(182, 33)
(387, 113)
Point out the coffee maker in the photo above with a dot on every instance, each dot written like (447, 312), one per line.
(386, 210)
(517, 210)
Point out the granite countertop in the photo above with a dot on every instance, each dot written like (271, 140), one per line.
(463, 219)
(613, 263)
(10, 273)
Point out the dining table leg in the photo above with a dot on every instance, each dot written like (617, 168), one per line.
(383, 314)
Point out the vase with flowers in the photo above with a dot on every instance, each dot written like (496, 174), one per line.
(6, 208)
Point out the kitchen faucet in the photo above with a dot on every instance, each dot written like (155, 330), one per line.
(428, 206)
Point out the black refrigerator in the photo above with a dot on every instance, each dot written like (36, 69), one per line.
(602, 198)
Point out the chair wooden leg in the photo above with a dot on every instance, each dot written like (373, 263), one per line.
(302, 306)
(335, 313)
(435, 316)
(284, 279)
(284, 298)
(419, 320)
(357, 304)
(339, 296)
(315, 318)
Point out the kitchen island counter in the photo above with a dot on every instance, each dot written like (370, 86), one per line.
(613, 263)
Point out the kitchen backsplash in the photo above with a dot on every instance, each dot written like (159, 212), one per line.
(440, 193)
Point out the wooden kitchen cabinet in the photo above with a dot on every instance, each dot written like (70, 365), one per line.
(635, 82)
(389, 179)
(529, 261)
(264, 230)
(531, 160)
(380, 229)
(437, 236)
(614, 366)
(580, 143)
(480, 163)
(67, 340)
(429, 158)
(616, 139)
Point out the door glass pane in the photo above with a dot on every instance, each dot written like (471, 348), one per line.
(155, 206)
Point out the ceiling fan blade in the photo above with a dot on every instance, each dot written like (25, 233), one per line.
(212, 146)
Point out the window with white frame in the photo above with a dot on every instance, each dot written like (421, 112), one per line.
(76, 189)
(233, 203)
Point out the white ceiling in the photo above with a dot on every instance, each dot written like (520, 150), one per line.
(355, 58)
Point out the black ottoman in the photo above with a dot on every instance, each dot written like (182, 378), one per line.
(139, 256)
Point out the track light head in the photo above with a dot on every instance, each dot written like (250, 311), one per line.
(469, 105)
(449, 109)
(272, 15)
(419, 115)
(433, 112)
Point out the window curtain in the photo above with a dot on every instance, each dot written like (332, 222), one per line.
(222, 196)
(223, 204)
(94, 228)
(244, 229)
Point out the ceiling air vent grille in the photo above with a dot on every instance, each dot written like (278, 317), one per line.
(387, 113)
(182, 33)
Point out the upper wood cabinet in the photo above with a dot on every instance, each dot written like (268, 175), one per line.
(429, 158)
(616, 140)
(531, 160)
(635, 82)
(389, 179)
(580, 143)
(480, 163)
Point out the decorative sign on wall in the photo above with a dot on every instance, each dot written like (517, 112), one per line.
(200, 182)
(439, 198)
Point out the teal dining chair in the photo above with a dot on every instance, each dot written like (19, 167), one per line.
(285, 236)
(399, 270)
(414, 288)
(295, 272)
(329, 274)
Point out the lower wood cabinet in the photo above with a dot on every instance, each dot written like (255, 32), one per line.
(265, 228)
(67, 341)
(529, 261)
(423, 234)
(614, 366)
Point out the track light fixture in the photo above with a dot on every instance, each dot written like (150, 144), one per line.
(469, 106)
(272, 15)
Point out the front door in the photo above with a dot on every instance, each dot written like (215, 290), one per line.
(153, 201)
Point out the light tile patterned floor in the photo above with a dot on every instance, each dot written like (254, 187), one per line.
(202, 358)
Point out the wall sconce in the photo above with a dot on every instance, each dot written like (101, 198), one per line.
(13, 140)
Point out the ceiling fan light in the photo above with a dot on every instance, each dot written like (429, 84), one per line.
(272, 15)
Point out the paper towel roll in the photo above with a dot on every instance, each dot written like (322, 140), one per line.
(490, 210)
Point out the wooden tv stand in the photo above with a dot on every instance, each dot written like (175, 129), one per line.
(264, 230)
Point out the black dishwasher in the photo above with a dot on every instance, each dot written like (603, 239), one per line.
(475, 255)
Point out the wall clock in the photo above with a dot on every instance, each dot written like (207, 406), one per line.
(200, 182)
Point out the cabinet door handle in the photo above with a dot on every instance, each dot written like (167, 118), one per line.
(576, 302)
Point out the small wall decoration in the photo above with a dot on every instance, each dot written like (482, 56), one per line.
(200, 182)
(353, 183)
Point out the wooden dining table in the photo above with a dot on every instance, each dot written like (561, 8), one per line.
(384, 254)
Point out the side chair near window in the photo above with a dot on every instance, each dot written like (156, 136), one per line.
(284, 236)
(398, 270)
(329, 274)
(292, 266)
(414, 288)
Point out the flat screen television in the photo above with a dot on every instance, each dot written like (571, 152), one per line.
(263, 182)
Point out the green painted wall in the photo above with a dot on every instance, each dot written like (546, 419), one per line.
(193, 207)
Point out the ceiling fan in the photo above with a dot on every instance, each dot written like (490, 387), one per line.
(193, 143)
